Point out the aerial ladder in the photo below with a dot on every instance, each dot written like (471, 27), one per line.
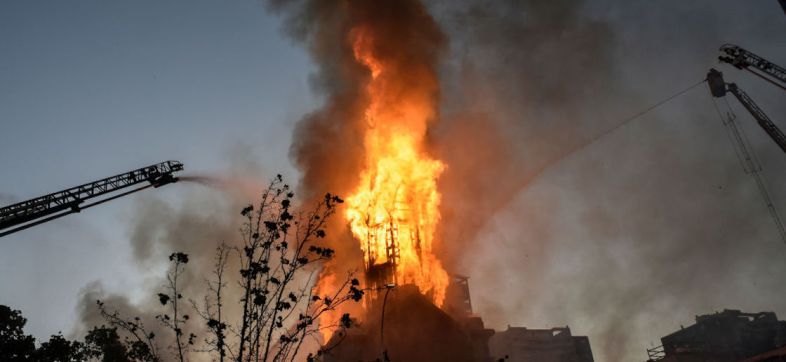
(769, 71)
(718, 88)
(26, 214)
(743, 59)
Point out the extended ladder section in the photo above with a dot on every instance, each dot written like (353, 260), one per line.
(752, 167)
(35, 211)
(750, 164)
(718, 88)
(743, 59)
(766, 124)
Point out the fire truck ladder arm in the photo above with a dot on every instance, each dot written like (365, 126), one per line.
(718, 88)
(743, 59)
(41, 209)
(766, 124)
(751, 165)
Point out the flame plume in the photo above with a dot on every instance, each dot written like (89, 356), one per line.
(377, 67)
(393, 213)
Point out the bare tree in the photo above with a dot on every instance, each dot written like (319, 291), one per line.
(141, 341)
(175, 319)
(138, 340)
(278, 258)
(213, 305)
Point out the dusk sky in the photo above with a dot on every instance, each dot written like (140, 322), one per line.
(89, 89)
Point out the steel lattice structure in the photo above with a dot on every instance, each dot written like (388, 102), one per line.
(32, 212)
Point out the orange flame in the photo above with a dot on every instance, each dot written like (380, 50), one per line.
(396, 201)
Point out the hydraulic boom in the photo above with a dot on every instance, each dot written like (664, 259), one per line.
(750, 164)
(718, 88)
(743, 59)
(41, 209)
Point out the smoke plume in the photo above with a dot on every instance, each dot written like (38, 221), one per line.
(623, 240)
(632, 236)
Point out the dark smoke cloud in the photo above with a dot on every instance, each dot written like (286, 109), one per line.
(327, 144)
(526, 78)
(624, 239)
(629, 237)
(521, 89)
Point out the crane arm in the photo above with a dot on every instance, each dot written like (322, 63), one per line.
(42, 208)
(766, 124)
(743, 59)
(718, 88)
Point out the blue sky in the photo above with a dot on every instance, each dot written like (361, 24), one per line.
(89, 89)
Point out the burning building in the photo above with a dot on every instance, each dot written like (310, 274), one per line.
(385, 55)
(730, 335)
(394, 211)
(405, 325)
(370, 142)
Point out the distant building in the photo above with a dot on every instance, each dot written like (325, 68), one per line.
(730, 335)
(520, 344)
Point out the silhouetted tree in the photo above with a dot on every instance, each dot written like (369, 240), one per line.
(15, 345)
(175, 319)
(104, 344)
(280, 246)
(212, 308)
(59, 349)
(139, 343)
(279, 257)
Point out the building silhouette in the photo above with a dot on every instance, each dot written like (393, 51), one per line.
(730, 335)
